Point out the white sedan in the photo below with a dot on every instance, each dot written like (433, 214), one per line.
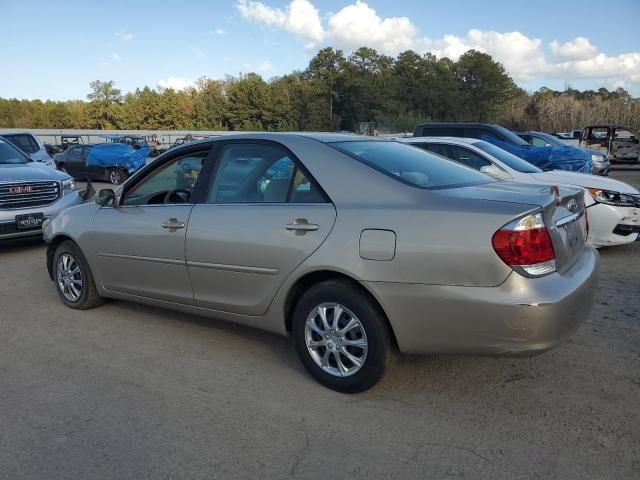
(613, 206)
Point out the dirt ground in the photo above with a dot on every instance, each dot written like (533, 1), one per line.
(133, 392)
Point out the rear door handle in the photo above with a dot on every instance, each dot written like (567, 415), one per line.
(301, 226)
(173, 224)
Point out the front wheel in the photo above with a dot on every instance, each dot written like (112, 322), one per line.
(116, 176)
(341, 336)
(73, 278)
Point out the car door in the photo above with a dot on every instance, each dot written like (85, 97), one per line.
(93, 172)
(139, 245)
(74, 164)
(263, 216)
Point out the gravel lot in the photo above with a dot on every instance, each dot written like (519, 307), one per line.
(132, 392)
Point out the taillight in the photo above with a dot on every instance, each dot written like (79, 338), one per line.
(526, 244)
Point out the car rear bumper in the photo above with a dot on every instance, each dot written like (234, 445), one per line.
(8, 227)
(610, 225)
(523, 316)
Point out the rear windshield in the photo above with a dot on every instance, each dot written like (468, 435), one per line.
(11, 155)
(508, 158)
(412, 165)
(512, 137)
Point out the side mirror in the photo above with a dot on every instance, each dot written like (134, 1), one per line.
(495, 172)
(106, 197)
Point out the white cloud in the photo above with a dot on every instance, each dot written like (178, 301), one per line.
(124, 35)
(300, 18)
(521, 56)
(220, 31)
(579, 49)
(176, 83)
(116, 57)
(357, 25)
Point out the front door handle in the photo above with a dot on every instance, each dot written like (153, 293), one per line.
(302, 226)
(173, 224)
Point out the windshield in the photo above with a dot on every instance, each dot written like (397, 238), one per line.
(411, 165)
(513, 138)
(11, 155)
(507, 158)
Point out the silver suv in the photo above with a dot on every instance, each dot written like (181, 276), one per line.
(31, 146)
(29, 193)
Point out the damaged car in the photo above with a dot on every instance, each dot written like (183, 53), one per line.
(425, 255)
(617, 142)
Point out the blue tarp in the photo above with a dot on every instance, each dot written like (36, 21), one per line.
(548, 158)
(118, 155)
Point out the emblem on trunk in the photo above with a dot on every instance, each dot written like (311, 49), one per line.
(21, 189)
(572, 206)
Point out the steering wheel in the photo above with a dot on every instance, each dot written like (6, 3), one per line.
(183, 194)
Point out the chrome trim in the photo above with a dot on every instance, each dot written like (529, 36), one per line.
(569, 219)
(234, 268)
(168, 261)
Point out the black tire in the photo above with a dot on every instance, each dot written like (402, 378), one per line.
(88, 297)
(379, 352)
(62, 168)
(116, 176)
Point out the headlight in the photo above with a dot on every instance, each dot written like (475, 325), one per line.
(68, 185)
(598, 158)
(613, 198)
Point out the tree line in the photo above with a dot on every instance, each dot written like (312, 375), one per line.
(336, 92)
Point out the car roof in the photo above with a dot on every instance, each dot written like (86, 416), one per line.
(455, 140)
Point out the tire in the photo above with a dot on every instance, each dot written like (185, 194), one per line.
(62, 168)
(82, 296)
(116, 176)
(374, 359)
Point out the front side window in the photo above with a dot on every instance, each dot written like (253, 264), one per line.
(75, 154)
(410, 165)
(173, 182)
(538, 142)
(257, 173)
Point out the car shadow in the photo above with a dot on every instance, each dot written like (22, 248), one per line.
(21, 244)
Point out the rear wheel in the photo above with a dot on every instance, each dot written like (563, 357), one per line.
(116, 176)
(73, 278)
(341, 336)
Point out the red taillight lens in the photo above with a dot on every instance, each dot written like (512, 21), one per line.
(526, 243)
(523, 247)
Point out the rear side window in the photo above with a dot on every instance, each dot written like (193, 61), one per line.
(260, 173)
(25, 142)
(411, 165)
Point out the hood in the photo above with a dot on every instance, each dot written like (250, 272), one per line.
(32, 171)
(555, 177)
(512, 192)
(599, 153)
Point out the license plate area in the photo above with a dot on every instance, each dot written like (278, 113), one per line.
(30, 221)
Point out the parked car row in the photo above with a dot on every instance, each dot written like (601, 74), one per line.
(352, 245)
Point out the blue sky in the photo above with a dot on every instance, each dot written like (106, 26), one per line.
(53, 49)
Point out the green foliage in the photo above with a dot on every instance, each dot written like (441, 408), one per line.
(336, 93)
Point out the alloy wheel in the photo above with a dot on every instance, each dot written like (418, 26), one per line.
(115, 177)
(69, 277)
(336, 339)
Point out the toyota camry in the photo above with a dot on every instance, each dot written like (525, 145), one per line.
(356, 247)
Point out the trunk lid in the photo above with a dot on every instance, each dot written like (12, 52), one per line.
(562, 207)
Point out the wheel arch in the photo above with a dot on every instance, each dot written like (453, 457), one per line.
(51, 251)
(310, 279)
